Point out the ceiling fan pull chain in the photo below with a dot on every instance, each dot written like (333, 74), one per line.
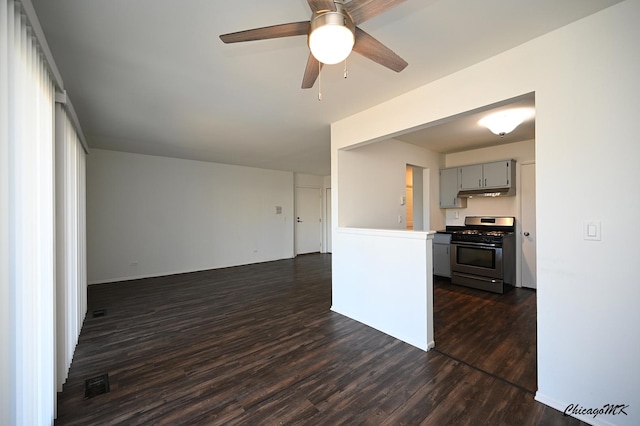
(346, 72)
(319, 81)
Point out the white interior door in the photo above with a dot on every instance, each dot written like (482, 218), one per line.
(308, 220)
(528, 223)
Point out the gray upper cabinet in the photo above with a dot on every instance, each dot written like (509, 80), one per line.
(471, 177)
(498, 174)
(449, 187)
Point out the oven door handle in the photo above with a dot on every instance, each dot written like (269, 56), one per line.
(476, 245)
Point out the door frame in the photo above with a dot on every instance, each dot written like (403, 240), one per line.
(522, 228)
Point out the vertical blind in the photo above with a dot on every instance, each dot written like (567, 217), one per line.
(27, 139)
(30, 254)
(71, 275)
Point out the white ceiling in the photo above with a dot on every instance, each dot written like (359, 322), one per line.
(462, 132)
(152, 76)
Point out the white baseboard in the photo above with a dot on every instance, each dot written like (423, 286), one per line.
(167, 274)
(140, 277)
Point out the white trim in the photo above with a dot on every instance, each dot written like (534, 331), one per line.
(168, 274)
(63, 99)
(389, 233)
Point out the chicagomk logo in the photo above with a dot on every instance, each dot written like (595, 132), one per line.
(606, 410)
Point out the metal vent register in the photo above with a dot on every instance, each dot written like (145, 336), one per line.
(96, 386)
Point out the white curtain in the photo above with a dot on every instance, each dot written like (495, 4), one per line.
(71, 275)
(28, 228)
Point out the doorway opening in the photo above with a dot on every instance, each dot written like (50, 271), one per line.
(416, 198)
(308, 222)
(493, 333)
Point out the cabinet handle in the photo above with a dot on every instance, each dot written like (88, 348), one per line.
(447, 250)
(485, 182)
(479, 182)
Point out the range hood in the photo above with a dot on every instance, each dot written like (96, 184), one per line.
(487, 192)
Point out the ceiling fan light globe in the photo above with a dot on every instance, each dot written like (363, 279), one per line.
(331, 37)
(331, 44)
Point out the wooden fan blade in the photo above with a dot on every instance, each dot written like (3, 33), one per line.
(311, 72)
(371, 48)
(363, 10)
(274, 31)
(317, 5)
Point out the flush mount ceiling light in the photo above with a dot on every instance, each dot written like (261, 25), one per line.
(506, 121)
(331, 36)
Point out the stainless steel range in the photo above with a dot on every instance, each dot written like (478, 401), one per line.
(483, 253)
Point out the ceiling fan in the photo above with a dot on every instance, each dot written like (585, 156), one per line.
(335, 20)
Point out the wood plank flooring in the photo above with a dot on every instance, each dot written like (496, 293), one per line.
(495, 333)
(258, 345)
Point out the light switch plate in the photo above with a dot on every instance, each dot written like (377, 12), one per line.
(591, 230)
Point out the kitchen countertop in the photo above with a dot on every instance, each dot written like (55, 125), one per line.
(450, 229)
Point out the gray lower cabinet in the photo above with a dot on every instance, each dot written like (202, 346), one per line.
(441, 256)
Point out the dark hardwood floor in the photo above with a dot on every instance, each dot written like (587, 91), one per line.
(495, 333)
(258, 345)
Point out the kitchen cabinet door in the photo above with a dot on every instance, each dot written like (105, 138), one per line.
(496, 175)
(449, 190)
(471, 177)
(441, 260)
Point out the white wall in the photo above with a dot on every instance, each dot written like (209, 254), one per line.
(487, 206)
(387, 274)
(149, 216)
(309, 181)
(585, 79)
(384, 274)
(373, 178)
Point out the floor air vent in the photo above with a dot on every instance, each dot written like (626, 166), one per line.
(99, 313)
(96, 386)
